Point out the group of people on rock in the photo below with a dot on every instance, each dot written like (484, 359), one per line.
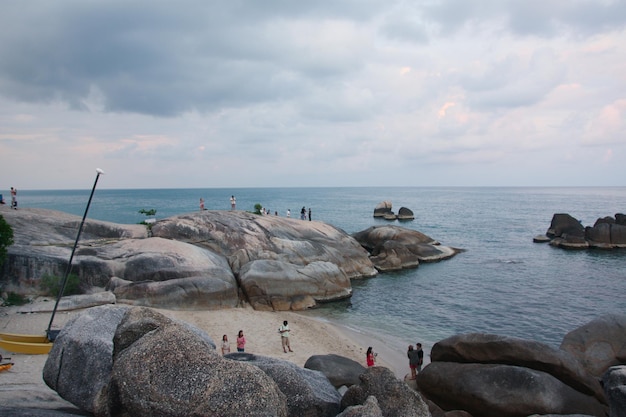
(13, 198)
(415, 355)
(233, 203)
(283, 330)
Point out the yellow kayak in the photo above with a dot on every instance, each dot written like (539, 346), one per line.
(28, 348)
(28, 338)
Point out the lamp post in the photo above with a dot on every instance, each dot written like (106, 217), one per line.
(50, 333)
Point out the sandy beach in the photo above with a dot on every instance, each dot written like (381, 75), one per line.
(23, 383)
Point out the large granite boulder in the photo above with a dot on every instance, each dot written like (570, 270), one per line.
(493, 390)
(394, 247)
(563, 225)
(614, 381)
(43, 240)
(244, 237)
(599, 344)
(80, 361)
(309, 393)
(395, 398)
(568, 233)
(339, 370)
(276, 285)
(161, 367)
(495, 349)
(405, 214)
(383, 208)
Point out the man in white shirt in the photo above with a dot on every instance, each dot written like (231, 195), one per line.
(284, 336)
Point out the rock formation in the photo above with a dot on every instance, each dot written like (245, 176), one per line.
(383, 209)
(202, 260)
(340, 371)
(393, 248)
(568, 233)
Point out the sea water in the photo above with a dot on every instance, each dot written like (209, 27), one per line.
(502, 283)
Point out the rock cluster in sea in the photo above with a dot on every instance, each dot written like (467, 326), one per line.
(122, 361)
(567, 232)
(384, 210)
(208, 259)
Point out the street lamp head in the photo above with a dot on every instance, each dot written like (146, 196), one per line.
(99, 171)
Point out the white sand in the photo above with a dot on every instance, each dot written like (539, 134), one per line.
(24, 384)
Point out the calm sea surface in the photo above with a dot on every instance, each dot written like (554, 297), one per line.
(504, 283)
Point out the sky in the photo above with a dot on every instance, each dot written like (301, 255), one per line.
(283, 93)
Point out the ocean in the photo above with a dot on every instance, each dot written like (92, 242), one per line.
(503, 283)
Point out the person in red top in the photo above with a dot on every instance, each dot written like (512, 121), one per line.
(241, 341)
(370, 357)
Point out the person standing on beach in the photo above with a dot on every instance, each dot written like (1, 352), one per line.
(241, 341)
(14, 198)
(233, 202)
(414, 360)
(225, 345)
(370, 357)
(284, 336)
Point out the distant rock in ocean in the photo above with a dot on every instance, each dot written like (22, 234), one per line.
(569, 233)
(383, 209)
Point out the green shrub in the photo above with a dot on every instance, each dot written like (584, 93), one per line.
(257, 208)
(6, 238)
(51, 284)
(15, 299)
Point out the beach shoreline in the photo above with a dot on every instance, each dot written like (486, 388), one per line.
(310, 335)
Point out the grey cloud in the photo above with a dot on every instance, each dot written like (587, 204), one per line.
(164, 59)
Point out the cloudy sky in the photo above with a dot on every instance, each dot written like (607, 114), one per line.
(248, 93)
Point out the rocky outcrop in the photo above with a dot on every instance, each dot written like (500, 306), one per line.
(493, 390)
(568, 233)
(200, 260)
(308, 393)
(599, 344)
(276, 285)
(163, 368)
(383, 208)
(494, 349)
(339, 370)
(395, 398)
(393, 248)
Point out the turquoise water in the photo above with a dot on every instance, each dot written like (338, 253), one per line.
(504, 283)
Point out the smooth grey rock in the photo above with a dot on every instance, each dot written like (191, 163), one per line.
(38, 412)
(276, 285)
(599, 344)
(161, 368)
(405, 214)
(394, 247)
(395, 398)
(502, 390)
(614, 381)
(563, 224)
(496, 349)
(369, 408)
(339, 370)
(309, 393)
(80, 361)
(71, 302)
(382, 208)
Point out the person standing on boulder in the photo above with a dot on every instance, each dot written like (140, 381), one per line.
(420, 354)
(233, 202)
(414, 360)
(284, 336)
